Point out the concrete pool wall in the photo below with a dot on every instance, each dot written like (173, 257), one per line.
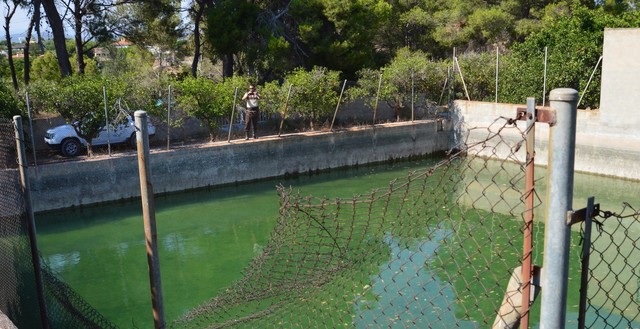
(601, 148)
(102, 179)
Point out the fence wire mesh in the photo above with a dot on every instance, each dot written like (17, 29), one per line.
(18, 292)
(18, 298)
(434, 249)
(613, 293)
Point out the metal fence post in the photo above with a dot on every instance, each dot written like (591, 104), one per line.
(149, 217)
(562, 140)
(586, 253)
(31, 223)
(527, 248)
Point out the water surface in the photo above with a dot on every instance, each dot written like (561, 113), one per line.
(207, 237)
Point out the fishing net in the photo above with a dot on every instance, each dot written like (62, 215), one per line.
(434, 249)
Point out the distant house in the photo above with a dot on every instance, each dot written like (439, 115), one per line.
(18, 50)
(103, 53)
(122, 43)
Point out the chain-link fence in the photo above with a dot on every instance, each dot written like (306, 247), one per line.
(19, 297)
(613, 291)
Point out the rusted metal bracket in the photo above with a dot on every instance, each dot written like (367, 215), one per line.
(580, 215)
(543, 114)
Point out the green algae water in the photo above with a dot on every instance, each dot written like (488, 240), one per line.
(207, 237)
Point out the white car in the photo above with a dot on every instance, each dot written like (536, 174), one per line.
(66, 139)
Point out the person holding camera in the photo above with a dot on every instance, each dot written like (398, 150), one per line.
(252, 113)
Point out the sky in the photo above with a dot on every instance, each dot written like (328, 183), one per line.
(19, 23)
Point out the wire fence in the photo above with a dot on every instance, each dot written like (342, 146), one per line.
(438, 248)
(18, 298)
(18, 292)
(613, 292)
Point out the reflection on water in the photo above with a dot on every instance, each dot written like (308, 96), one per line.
(60, 262)
(421, 289)
(207, 237)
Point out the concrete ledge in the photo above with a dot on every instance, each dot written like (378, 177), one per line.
(96, 180)
(5, 323)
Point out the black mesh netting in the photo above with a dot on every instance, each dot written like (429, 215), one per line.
(18, 292)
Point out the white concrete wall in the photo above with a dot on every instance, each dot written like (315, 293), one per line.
(600, 149)
(620, 91)
(83, 182)
(608, 139)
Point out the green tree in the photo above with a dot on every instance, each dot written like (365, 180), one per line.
(9, 103)
(81, 102)
(208, 101)
(574, 44)
(396, 85)
(411, 24)
(134, 59)
(89, 21)
(479, 72)
(46, 67)
(274, 96)
(151, 24)
(78, 99)
(315, 93)
(339, 34)
(230, 28)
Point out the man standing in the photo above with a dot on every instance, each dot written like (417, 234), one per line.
(251, 115)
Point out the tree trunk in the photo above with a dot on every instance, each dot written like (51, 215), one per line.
(197, 18)
(312, 122)
(196, 52)
(7, 24)
(57, 29)
(27, 48)
(77, 19)
(36, 19)
(227, 65)
(12, 67)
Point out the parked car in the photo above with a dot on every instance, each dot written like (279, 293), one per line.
(121, 131)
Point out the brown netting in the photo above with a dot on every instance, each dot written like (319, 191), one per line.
(435, 249)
